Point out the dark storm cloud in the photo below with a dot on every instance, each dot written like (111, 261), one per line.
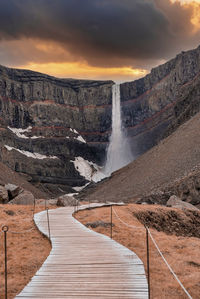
(103, 32)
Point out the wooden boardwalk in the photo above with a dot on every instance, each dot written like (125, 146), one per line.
(84, 264)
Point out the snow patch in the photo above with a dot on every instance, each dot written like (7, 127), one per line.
(29, 154)
(19, 132)
(78, 189)
(71, 194)
(89, 170)
(79, 137)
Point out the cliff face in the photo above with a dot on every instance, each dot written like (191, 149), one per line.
(36, 99)
(168, 96)
(54, 118)
(46, 123)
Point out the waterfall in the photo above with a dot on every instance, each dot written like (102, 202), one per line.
(119, 152)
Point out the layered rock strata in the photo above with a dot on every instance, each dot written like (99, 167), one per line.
(167, 97)
(43, 117)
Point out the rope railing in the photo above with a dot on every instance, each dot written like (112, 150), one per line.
(76, 207)
(169, 267)
(159, 251)
(126, 224)
(5, 230)
(21, 233)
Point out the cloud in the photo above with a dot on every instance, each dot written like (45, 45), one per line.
(102, 33)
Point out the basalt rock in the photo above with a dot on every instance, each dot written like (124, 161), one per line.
(24, 198)
(57, 117)
(154, 106)
(175, 202)
(12, 190)
(3, 195)
(66, 201)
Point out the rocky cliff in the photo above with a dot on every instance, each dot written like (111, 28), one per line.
(53, 130)
(46, 123)
(168, 96)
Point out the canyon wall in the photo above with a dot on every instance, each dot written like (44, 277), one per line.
(55, 118)
(164, 99)
(63, 119)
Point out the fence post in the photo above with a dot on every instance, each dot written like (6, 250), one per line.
(47, 209)
(33, 207)
(148, 262)
(5, 230)
(45, 204)
(77, 205)
(111, 221)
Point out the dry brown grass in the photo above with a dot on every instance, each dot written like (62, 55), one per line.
(182, 253)
(26, 252)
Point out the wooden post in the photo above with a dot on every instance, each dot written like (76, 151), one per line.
(48, 223)
(111, 221)
(148, 264)
(5, 230)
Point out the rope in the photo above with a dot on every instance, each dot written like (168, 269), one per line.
(24, 232)
(169, 267)
(132, 226)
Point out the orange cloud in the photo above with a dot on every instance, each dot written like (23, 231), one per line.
(85, 71)
(195, 20)
(195, 6)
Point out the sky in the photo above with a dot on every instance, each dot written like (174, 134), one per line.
(119, 40)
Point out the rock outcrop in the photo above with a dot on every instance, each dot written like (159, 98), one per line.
(24, 198)
(12, 190)
(3, 195)
(66, 201)
(175, 202)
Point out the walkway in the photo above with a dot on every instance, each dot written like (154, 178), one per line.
(84, 264)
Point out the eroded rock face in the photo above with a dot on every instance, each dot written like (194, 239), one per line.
(168, 96)
(66, 118)
(41, 116)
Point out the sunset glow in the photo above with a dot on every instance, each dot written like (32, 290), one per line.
(85, 71)
(195, 20)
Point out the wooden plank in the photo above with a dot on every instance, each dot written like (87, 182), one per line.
(84, 264)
